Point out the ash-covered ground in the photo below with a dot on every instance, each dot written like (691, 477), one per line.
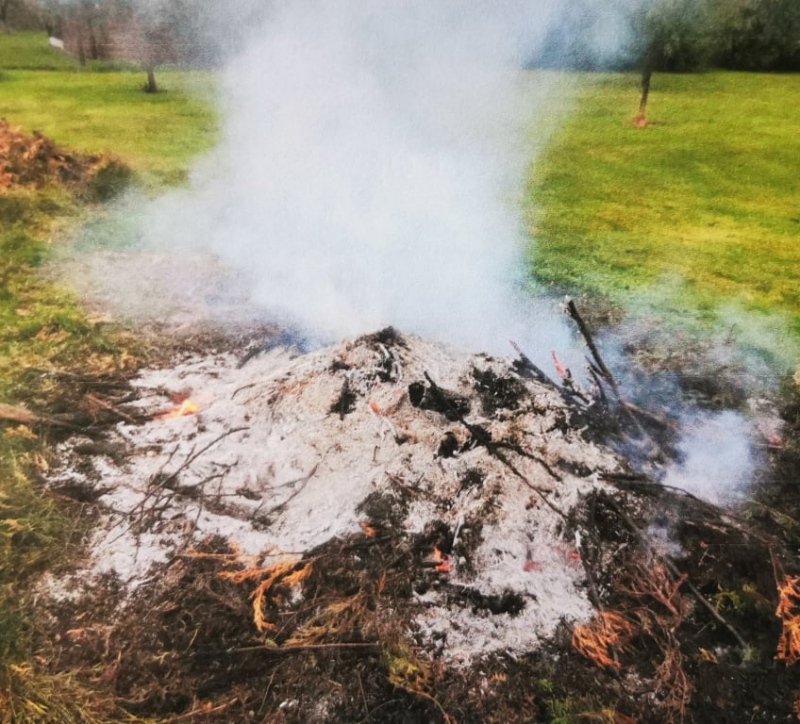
(391, 530)
(288, 452)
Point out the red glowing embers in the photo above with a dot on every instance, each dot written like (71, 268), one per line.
(441, 562)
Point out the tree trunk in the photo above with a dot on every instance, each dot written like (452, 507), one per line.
(150, 86)
(94, 54)
(647, 74)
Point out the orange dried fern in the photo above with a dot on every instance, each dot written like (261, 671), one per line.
(789, 612)
(286, 574)
(673, 682)
(273, 580)
(598, 640)
(654, 582)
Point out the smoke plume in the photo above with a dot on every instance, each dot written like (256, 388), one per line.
(368, 173)
(369, 169)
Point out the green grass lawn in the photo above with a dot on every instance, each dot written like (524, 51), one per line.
(99, 111)
(156, 134)
(32, 51)
(698, 210)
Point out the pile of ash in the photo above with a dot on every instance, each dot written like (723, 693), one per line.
(290, 452)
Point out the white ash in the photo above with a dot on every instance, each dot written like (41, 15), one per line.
(267, 465)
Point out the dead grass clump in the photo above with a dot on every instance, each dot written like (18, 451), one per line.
(789, 612)
(33, 162)
(336, 623)
(649, 580)
(29, 696)
(673, 682)
(274, 579)
(409, 672)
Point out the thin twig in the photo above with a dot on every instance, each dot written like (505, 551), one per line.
(527, 363)
(106, 406)
(189, 460)
(363, 695)
(494, 448)
(295, 493)
(584, 330)
(278, 650)
(202, 711)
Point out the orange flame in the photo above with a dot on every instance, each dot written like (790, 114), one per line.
(442, 562)
(186, 408)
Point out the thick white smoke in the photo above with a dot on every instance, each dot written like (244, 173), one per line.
(370, 166)
(369, 172)
(718, 457)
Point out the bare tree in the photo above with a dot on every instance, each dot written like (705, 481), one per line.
(670, 35)
(147, 38)
(14, 12)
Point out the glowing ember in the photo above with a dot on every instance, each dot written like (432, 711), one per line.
(562, 371)
(442, 562)
(186, 408)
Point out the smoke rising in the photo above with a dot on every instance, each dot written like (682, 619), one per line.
(718, 457)
(368, 174)
(369, 169)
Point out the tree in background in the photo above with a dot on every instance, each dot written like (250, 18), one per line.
(85, 26)
(673, 36)
(670, 35)
(758, 35)
(145, 33)
(5, 6)
(18, 14)
(50, 15)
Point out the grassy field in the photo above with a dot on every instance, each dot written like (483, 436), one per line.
(158, 135)
(32, 51)
(43, 330)
(698, 210)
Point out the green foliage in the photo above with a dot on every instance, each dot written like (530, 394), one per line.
(699, 209)
(758, 34)
(728, 600)
(673, 35)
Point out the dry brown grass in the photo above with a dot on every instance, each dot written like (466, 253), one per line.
(30, 696)
(272, 581)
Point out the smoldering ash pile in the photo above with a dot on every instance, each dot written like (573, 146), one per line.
(289, 452)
